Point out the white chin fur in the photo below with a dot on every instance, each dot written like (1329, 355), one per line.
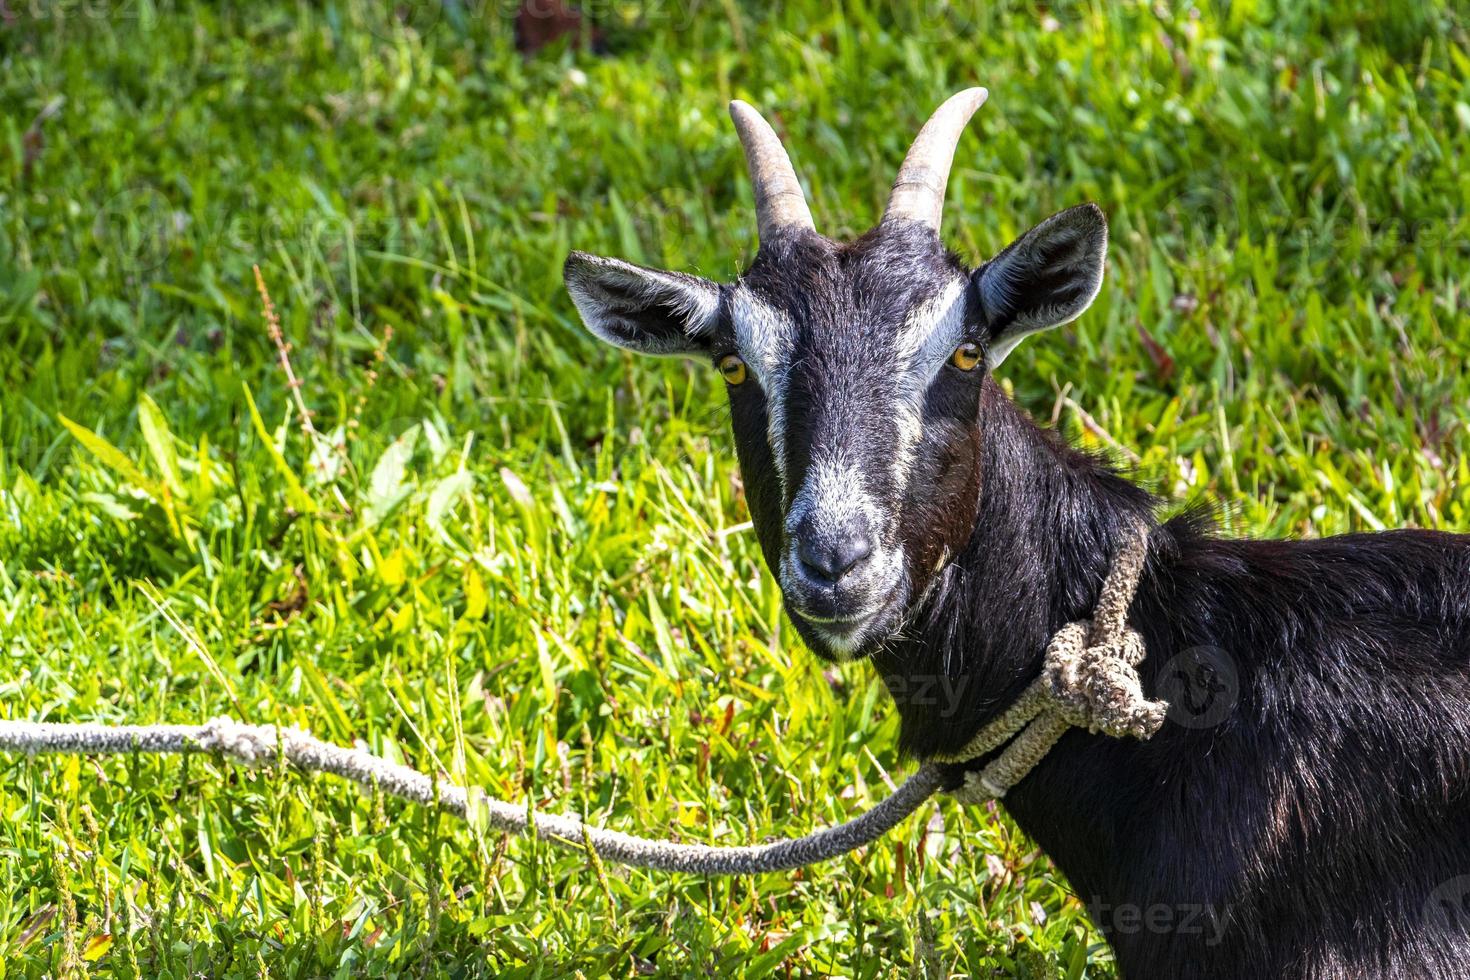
(843, 648)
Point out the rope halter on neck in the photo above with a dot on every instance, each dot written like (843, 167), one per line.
(1089, 679)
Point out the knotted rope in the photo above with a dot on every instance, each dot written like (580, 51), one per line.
(1088, 680)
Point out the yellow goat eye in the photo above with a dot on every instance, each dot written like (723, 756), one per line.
(966, 357)
(732, 369)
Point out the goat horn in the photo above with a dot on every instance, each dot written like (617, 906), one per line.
(918, 191)
(779, 202)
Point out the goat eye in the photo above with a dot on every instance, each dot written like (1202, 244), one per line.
(732, 369)
(966, 357)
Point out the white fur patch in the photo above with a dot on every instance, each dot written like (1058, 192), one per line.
(834, 495)
(924, 343)
(765, 337)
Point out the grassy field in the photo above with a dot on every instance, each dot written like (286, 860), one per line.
(500, 551)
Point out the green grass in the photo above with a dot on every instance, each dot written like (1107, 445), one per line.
(522, 559)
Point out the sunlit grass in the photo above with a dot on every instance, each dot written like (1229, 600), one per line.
(505, 553)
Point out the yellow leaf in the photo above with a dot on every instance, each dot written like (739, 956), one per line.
(97, 947)
(160, 442)
(393, 569)
(402, 619)
(476, 599)
(203, 479)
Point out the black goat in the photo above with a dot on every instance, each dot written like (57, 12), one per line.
(1305, 812)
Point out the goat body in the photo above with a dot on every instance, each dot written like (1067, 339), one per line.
(1306, 810)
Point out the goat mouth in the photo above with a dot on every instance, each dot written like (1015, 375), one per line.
(855, 619)
(838, 613)
(848, 635)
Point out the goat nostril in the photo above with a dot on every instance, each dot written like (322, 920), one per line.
(831, 558)
(852, 551)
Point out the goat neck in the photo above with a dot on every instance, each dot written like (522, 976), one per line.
(1049, 520)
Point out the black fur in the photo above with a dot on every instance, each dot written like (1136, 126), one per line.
(1305, 812)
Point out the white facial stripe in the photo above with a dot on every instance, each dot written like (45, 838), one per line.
(834, 495)
(765, 336)
(928, 337)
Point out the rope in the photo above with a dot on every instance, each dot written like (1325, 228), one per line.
(262, 745)
(1088, 680)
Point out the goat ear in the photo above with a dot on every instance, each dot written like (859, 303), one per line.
(1043, 279)
(644, 310)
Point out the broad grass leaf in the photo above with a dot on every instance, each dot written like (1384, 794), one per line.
(295, 495)
(764, 964)
(548, 669)
(160, 440)
(386, 488)
(476, 598)
(663, 637)
(113, 458)
(337, 721)
(109, 505)
(393, 569)
(34, 926)
(445, 495)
